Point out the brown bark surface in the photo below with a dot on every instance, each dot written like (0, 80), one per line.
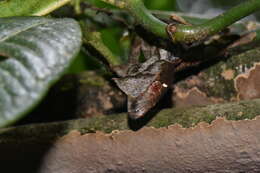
(79, 146)
(224, 146)
(230, 79)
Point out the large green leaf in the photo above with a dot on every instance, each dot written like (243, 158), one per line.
(29, 7)
(34, 51)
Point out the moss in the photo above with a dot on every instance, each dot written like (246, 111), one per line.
(217, 86)
(187, 117)
(191, 116)
(90, 78)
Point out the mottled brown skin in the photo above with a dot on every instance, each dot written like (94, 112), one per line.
(146, 83)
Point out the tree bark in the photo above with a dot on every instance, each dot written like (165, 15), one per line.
(230, 79)
(96, 145)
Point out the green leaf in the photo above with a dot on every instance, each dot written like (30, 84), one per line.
(29, 7)
(34, 53)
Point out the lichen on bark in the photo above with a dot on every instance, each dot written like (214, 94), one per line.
(212, 80)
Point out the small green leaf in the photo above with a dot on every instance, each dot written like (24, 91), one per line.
(34, 52)
(29, 7)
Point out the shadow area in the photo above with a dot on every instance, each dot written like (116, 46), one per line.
(22, 149)
(137, 124)
(22, 158)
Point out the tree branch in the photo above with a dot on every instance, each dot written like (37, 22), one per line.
(183, 33)
(72, 146)
(189, 34)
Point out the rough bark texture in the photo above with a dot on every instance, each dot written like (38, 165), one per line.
(79, 146)
(218, 83)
